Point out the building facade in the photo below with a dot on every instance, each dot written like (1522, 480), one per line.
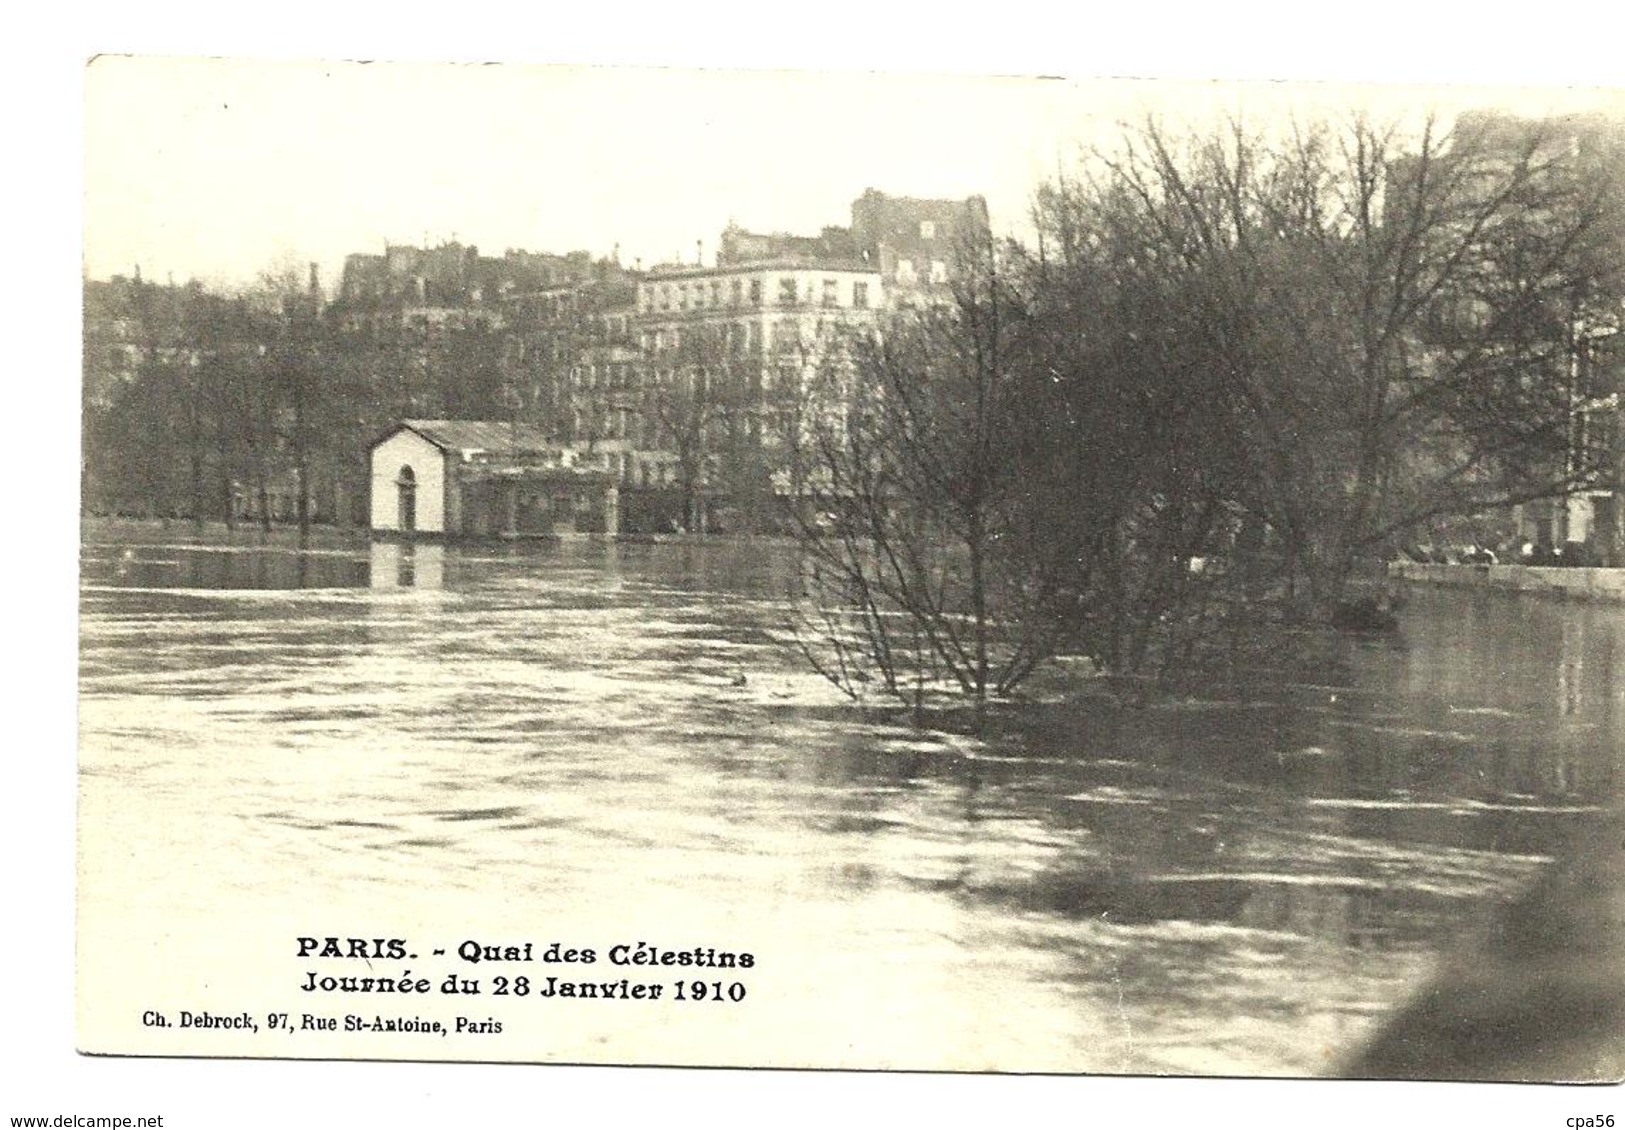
(742, 363)
(1529, 243)
(748, 360)
(694, 389)
(570, 361)
(918, 246)
(1572, 158)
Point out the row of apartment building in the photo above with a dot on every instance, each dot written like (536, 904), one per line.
(694, 379)
(684, 382)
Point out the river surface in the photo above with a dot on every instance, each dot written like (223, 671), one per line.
(594, 742)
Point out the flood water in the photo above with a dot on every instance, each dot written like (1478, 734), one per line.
(1240, 882)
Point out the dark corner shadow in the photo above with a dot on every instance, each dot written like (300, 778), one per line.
(1538, 996)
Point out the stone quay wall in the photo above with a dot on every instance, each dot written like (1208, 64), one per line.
(1574, 583)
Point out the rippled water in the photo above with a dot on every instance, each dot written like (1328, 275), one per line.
(572, 737)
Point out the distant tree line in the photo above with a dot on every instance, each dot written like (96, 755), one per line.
(258, 406)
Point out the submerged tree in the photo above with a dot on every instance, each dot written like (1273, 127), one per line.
(978, 513)
(907, 481)
(1232, 368)
(1385, 320)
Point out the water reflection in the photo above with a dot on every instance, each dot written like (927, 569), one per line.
(407, 565)
(1240, 882)
(184, 559)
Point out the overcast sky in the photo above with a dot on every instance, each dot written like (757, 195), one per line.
(218, 169)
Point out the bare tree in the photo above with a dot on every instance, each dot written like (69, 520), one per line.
(704, 394)
(1232, 367)
(1385, 317)
(977, 515)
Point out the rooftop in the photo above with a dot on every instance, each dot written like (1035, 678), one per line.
(664, 272)
(493, 437)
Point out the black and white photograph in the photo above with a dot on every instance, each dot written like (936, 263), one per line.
(851, 571)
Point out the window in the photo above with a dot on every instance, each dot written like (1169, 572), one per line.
(733, 293)
(928, 230)
(787, 292)
(829, 298)
(939, 271)
(860, 294)
(755, 292)
(786, 335)
(905, 270)
(716, 294)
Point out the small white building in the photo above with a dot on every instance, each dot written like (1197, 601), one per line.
(482, 478)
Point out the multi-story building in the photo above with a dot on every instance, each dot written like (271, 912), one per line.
(749, 361)
(918, 246)
(1518, 251)
(743, 362)
(1590, 522)
(428, 322)
(1572, 165)
(571, 364)
(129, 323)
(740, 246)
(450, 275)
(697, 388)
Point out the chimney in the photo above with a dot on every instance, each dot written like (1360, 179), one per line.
(315, 280)
(699, 252)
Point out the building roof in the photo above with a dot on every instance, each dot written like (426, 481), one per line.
(494, 437)
(679, 273)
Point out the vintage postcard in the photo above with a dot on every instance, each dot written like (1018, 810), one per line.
(878, 572)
